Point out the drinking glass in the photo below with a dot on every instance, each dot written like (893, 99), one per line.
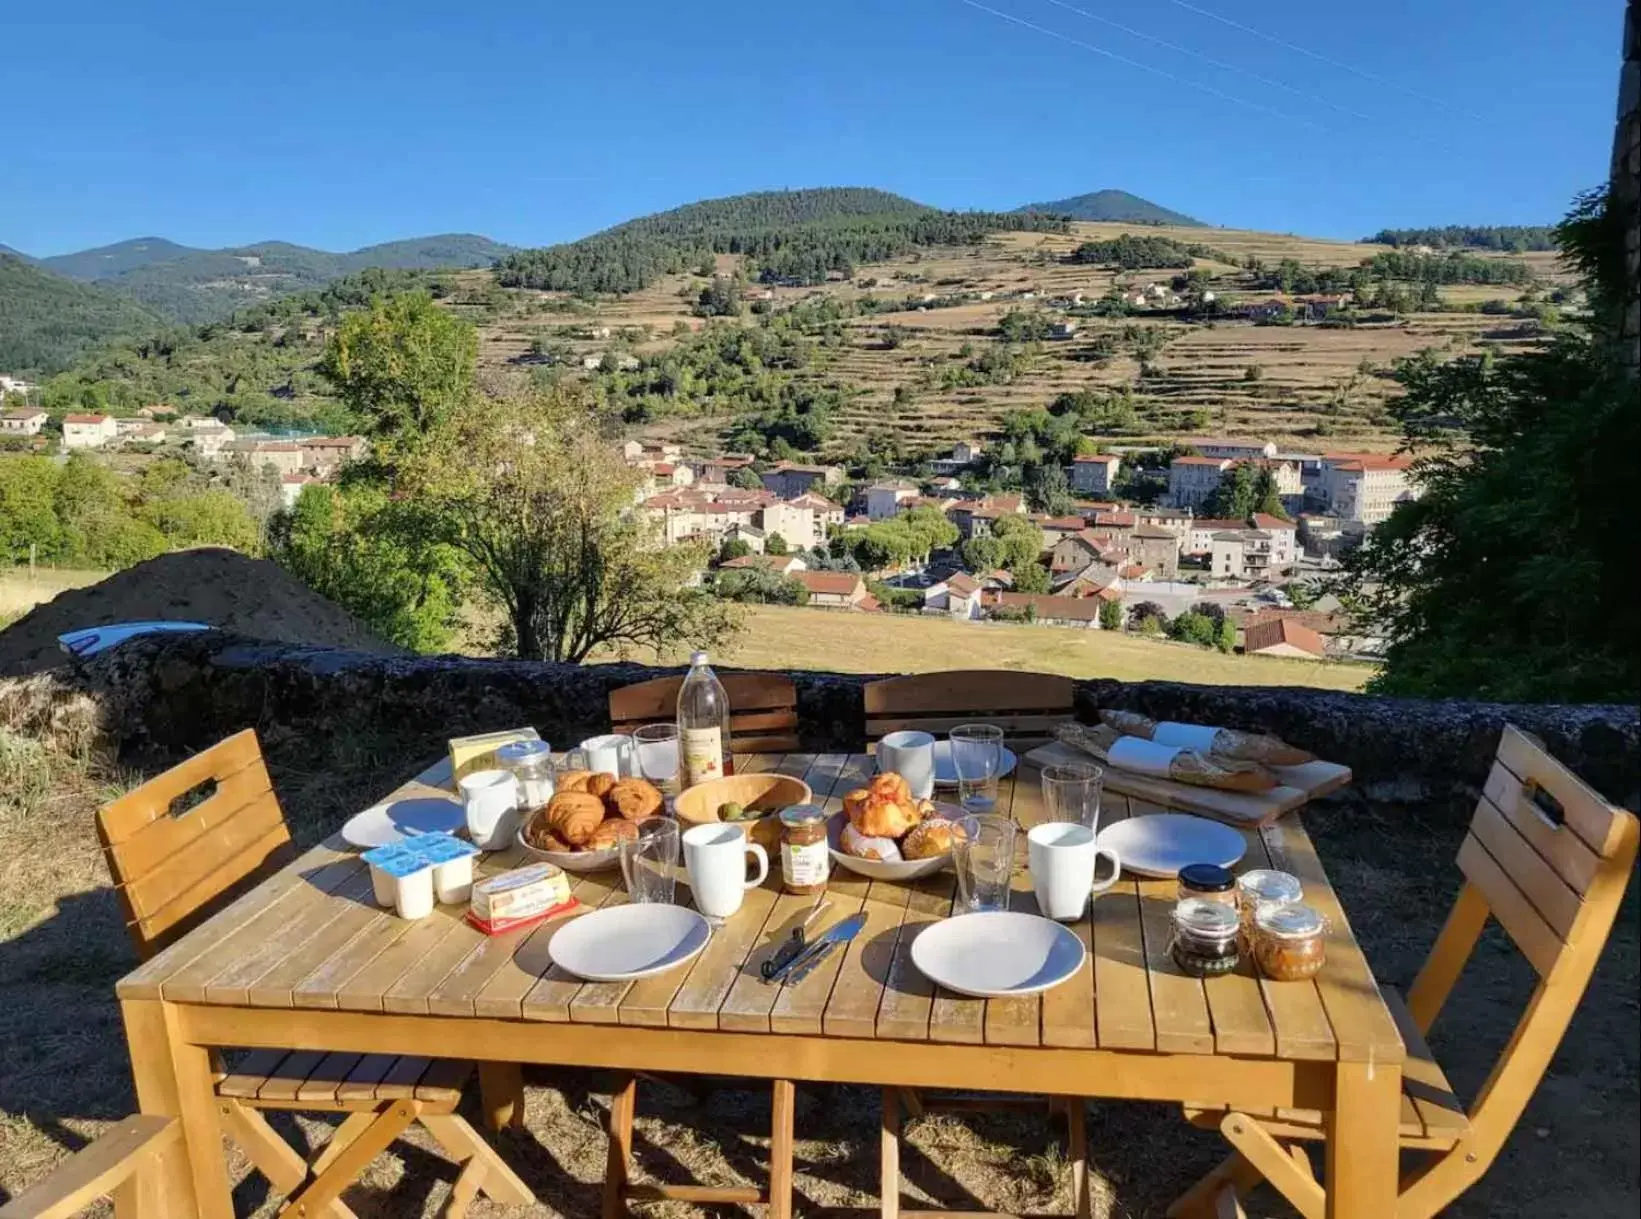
(984, 860)
(1071, 792)
(657, 750)
(649, 863)
(977, 756)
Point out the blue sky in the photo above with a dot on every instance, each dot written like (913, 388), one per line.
(354, 121)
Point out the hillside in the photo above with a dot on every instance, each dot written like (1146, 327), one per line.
(46, 321)
(797, 236)
(189, 285)
(1117, 205)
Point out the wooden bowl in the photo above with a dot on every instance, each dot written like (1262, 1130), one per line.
(764, 793)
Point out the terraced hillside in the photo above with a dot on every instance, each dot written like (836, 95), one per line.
(912, 370)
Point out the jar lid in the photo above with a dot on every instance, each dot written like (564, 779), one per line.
(1202, 917)
(1290, 922)
(514, 752)
(802, 814)
(1206, 877)
(1269, 885)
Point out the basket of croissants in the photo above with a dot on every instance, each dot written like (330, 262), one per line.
(885, 834)
(591, 814)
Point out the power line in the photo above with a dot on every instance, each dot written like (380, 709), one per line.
(1174, 46)
(1143, 67)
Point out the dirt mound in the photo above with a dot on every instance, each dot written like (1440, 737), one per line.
(220, 587)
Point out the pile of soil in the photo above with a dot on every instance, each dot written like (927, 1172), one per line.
(216, 586)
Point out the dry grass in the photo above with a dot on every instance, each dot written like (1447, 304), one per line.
(784, 638)
(21, 590)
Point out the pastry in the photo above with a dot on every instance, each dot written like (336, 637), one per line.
(572, 780)
(890, 786)
(867, 846)
(885, 818)
(599, 783)
(612, 833)
(539, 834)
(573, 816)
(930, 838)
(634, 799)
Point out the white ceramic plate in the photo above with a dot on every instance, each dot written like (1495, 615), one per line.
(631, 941)
(877, 869)
(395, 820)
(997, 955)
(945, 770)
(1160, 844)
(573, 861)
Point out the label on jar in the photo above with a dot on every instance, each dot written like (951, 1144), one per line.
(805, 865)
(703, 754)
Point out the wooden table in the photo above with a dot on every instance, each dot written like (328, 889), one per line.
(306, 961)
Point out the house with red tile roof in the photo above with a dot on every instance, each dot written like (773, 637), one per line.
(833, 589)
(1282, 637)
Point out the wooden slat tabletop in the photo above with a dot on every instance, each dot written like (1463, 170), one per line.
(311, 937)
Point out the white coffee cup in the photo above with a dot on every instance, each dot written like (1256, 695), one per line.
(910, 755)
(491, 801)
(610, 754)
(1063, 857)
(715, 861)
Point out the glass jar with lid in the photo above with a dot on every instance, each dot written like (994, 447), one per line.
(806, 859)
(1290, 942)
(531, 763)
(1208, 881)
(1265, 887)
(1205, 943)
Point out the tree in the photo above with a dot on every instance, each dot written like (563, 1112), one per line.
(761, 586)
(1031, 578)
(1521, 462)
(1225, 636)
(1111, 615)
(1148, 611)
(775, 544)
(213, 517)
(1047, 490)
(981, 554)
(747, 479)
(403, 365)
(1193, 627)
(539, 503)
(1243, 490)
(734, 548)
(1021, 541)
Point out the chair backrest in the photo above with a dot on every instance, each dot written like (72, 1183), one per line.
(200, 832)
(1026, 706)
(763, 709)
(1548, 859)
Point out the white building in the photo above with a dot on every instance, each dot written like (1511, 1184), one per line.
(1242, 554)
(1237, 450)
(212, 442)
(958, 596)
(1191, 480)
(1364, 487)
(800, 526)
(25, 422)
(883, 500)
(15, 385)
(88, 431)
(1095, 475)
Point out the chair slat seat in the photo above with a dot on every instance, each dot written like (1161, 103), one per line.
(342, 1082)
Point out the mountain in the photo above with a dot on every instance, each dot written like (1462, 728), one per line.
(184, 284)
(17, 254)
(800, 236)
(47, 321)
(1113, 205)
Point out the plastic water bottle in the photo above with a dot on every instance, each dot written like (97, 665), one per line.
(703, 725)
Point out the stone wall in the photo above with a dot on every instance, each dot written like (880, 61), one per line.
(185, 692)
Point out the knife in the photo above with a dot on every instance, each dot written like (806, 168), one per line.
(796, 943)
(800, 965)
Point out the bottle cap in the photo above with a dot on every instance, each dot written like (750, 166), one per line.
(697, 658)
(1207, 878)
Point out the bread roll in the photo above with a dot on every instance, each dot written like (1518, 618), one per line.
(867, 846)
(932, 838)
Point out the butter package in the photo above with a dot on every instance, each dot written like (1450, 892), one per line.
(522, 893)
(470, 753)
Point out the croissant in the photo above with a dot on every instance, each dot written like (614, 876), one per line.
(572, 780)
(573, 816)
(634, 799)
(600, 783)
(539, 834)
(612, 833)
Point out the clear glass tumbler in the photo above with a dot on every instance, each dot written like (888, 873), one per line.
(977, 756)
(1071, 792)
(657, 748)
(649, 863)
(984, 861)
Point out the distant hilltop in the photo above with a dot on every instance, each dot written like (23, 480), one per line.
(1116, 205)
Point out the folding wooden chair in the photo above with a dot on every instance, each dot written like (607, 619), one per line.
(1025, 706)
(763, 709)
(104, 1168)
(1548, 859)
(177, 847)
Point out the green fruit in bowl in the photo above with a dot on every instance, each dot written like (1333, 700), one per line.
(733, 811)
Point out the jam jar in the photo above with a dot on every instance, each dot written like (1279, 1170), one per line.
(1290, 942)
(1208, 881)
(1205, 937)
(1265, 887)
(806, 858)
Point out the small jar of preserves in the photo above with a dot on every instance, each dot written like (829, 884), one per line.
(806, 859)
(1290, 942)
(531, 763)
(1205, 937)
(1265, 887)
(1208, 881)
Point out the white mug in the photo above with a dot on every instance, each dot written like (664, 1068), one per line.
(1064, 857)
(491, 801)
(715, 861)
(910, 755)
(610, 754)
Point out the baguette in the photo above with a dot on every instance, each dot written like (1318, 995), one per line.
(1186, 766)
(1227, 743)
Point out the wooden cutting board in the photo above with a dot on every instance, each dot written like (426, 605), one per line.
(1247, 810)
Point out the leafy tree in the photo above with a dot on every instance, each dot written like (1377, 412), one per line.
(1148, 611)
(1194, 627)
(1021, 541)
(1111, 615)
(539, 503)
(981, 554)
(1519, 460)
(1225, 636)
(747, 479)
(775, 544)
(1243, 490)
(760, 586)
(28, 511)
(1047, 490)
(403, 365)
(214, 517)
(1031, 578)
(718, 299)
(734, 548)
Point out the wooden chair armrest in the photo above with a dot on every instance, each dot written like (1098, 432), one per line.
(96, 1170)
